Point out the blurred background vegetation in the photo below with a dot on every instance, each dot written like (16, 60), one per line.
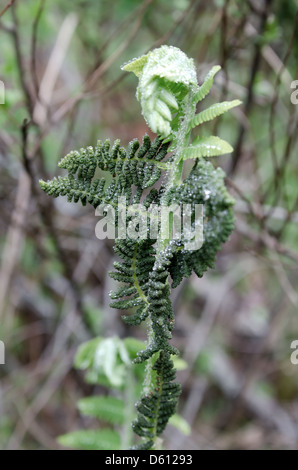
(60, 64)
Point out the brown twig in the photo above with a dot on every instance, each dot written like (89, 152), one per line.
(20, 60)
(177, 23)
(279, 170)
(224, 54)
(14, 238)
(29, 170)
(6, 8)
(95, 76)
(253, 370)
(265, 240)
(249, 98)
(33, 46)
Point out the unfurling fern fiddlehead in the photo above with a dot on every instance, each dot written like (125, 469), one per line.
(169, 93)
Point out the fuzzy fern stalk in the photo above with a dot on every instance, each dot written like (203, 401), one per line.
(149, 267)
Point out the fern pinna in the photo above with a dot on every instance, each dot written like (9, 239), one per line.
(169, 93)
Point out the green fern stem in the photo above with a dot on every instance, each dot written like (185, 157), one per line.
(159, 387)
(183, 135)
(176, 171)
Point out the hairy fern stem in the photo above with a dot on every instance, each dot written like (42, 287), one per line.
(183, 136)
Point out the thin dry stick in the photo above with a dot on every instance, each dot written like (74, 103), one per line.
(124, 24)
(97, 74)
(224, 55)
(265, 240)
(56, 376)
(224, 50)
(178, 22)
(53, 68)
(8, 268)
(278, 170)
(46, 88)
(253, 370)
(14, 238)
(71, 325)
(292, 216)
(159, 42)
(284, 280)
(16, 234)
(256, 60)
(214, 24)
(20, 60)
(69, 104)
(6, 8)
(33, 46)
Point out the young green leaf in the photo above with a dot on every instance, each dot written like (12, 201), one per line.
(136, 65)
(180, 423)
(207, 84)
(89, 439)
(206, 147)
(212, 112)
(165, 76)
(85, 354)
(109, 409)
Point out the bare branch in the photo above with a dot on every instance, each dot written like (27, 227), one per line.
(256, 60)
(33, 46)
(6, 8)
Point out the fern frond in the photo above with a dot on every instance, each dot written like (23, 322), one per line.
(212, 112)
(207, 84)
(205, 185)
(134, 269)
(156, 407)
(168, 93)
(139, 166)
(206, 147)
(76, 190)
(160, 308)
(145, 445)
(159, 403)
(107, 408)
(165, 76)
(136, 65)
